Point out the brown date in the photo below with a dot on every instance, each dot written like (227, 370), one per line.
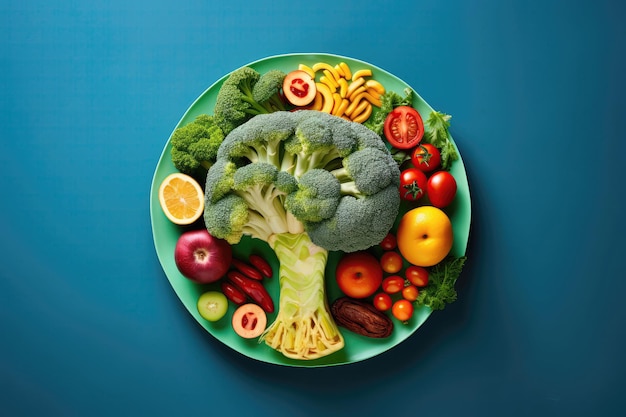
(361, 318)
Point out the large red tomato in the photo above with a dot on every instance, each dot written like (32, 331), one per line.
(359, 274)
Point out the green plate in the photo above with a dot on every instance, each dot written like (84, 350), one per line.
(165, 234)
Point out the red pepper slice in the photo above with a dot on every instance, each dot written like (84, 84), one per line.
(246, 269)
(253, 289)
(261, 264)
(233, 293)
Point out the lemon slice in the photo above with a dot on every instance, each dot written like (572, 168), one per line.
(181, 198)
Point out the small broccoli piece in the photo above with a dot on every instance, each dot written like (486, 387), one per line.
(268, 89)
(308, 182)
(195, 145)
(239, 98)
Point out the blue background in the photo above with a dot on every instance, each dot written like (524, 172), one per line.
(90, 92)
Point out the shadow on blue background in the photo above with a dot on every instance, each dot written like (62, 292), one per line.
(92, 91)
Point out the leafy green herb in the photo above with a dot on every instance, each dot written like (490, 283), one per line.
(440, 289)
(388, 101)
(437, 135)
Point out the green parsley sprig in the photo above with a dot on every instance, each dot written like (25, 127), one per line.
(437, 135)
(440, 290)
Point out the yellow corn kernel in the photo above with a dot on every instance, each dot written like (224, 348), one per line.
(353, 105)
(342, 107)
(362, 73)
(327, 97)
(336, 103)
(343, 87)
(307, 69)
(324, 66)
(356, 92)
(373, 93)
(339, 71)
(331, 77)
(364, 114)
(346, 70)
(317, 102)
(359, 109)
(375, 85)
(356, 83)
(374, 100)
(328, 83)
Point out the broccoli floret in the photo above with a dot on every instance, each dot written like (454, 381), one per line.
(316, 198)
(246, 93)
(351, 214)
(268, 89)
(195, 145)
(311, 182)
(367, 172)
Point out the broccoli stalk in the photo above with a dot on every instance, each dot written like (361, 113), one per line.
(304, 328)
(306, 183)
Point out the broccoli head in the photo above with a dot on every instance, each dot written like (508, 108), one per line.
(195, 145)
(305, 182)
(246, 93)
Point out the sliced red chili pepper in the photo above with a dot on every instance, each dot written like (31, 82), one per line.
(247, 269)
(253, 289)
(261, 264)
(233, 293)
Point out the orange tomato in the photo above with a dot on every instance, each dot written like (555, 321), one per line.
(393, 284)
(417, 275)
(358, 274)
(391, 262)
(410, 292)
(402, 310)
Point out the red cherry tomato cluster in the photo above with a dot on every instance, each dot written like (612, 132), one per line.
(425, 179)
(404, 130)
(387, 280)
(400, 287)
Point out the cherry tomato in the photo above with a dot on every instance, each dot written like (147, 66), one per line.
(402, 310)
(359, 274)
(426, 157)
(389, 242)
(393, 284)
(410, 292)
(391, 262)
(404, 127)
(417, 275)
(441, 188)
(413, 183)
(382, 301)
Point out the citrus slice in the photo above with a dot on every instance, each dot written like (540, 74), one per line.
(181, 198)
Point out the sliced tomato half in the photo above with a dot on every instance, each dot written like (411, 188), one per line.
(404, 127)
